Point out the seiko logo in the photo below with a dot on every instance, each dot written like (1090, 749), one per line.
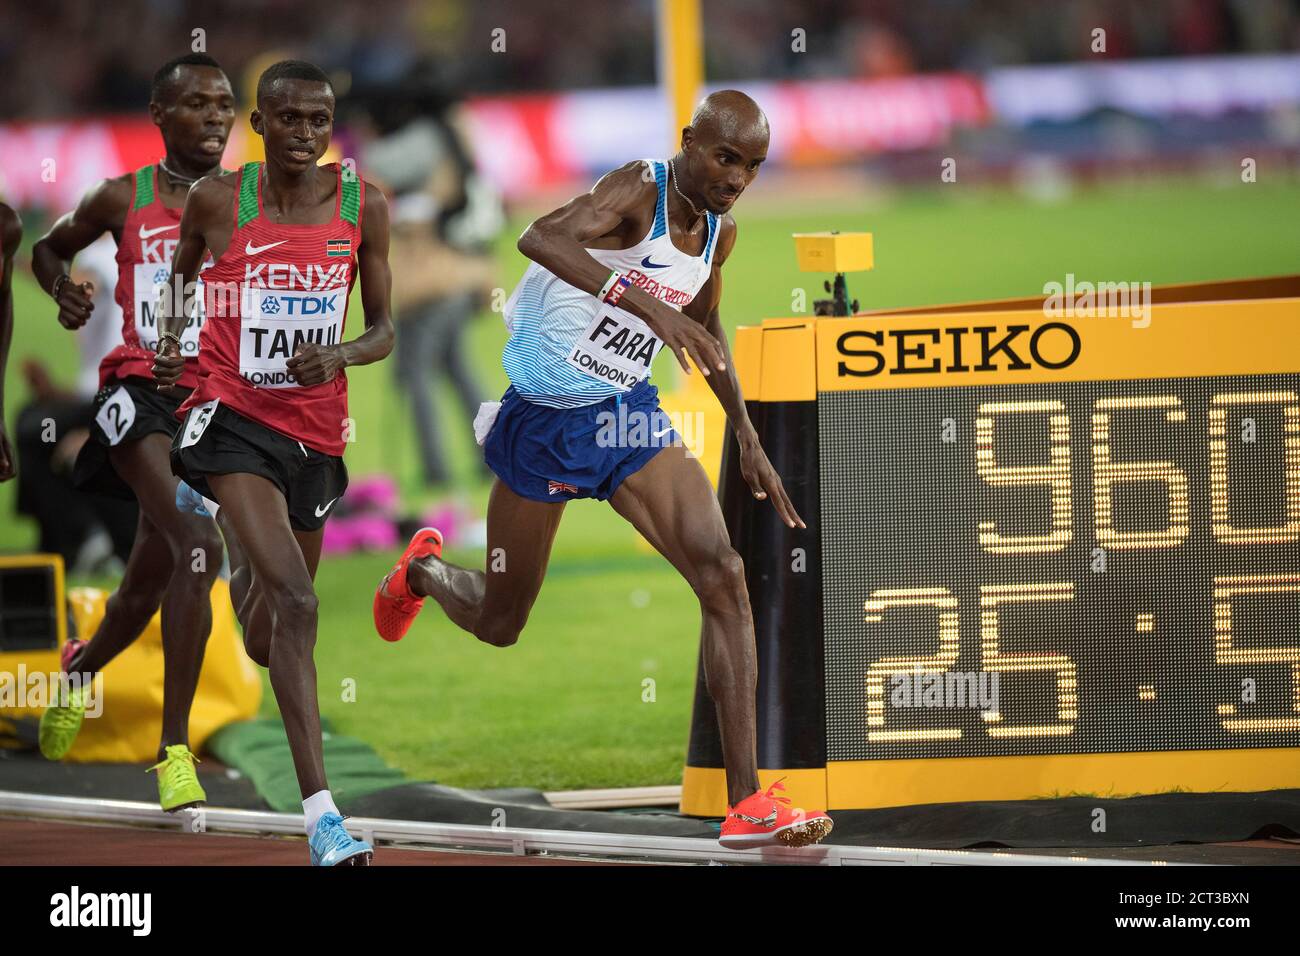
(982, 348)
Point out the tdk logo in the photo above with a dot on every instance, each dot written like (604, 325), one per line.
(298, 306)
(982, 348)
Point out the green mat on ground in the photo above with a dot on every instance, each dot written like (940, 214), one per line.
(259, 750)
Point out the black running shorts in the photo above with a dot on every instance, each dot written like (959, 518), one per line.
(125, 410)
(213, 440)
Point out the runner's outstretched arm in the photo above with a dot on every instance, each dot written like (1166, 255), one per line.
(313, 364)
(555, 242)
(757, 470)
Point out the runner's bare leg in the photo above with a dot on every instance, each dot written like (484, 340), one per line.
(671, 502)
(196, 551)
(283, 564)
(129, 608)
(494, 605)
(241, 575)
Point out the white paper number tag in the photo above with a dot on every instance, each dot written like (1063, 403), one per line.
(150, 282)
(277, 323)
(116, 415)
(616, 347)
(196, 423)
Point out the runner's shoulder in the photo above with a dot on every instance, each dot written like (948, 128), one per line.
(11, 229)
(212, 194)
(374, 216)
(628, 186)
(373, 196)
(223, 183)
(726, 237)
(106, 203)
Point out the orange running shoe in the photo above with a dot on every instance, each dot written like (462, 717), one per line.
(395, 605)
(764, 819)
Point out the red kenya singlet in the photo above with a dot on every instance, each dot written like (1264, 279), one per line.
(276, 287)
(144, 263)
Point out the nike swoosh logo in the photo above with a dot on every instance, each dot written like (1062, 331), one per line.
(150, 233)
(647, 264)
(766, 821)
(664, 432)
(252, 250)
(321, 509)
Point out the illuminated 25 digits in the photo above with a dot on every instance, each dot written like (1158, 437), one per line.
(994, 659)
(884, 669)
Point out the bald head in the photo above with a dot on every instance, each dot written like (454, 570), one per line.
(723, 147)
(729, 114)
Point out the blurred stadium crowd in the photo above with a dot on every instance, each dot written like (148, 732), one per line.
(458, 136)
(62, 56)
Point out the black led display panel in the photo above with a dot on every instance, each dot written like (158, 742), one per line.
(1122, 556)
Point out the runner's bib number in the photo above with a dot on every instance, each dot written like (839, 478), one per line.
(116, 415)
(616, 347)
(197, 421)
(276, 323)
(150, 282)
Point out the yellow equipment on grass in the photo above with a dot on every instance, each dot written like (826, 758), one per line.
(131, 686)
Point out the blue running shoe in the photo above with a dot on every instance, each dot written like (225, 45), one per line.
(189, 501)
(331, 845)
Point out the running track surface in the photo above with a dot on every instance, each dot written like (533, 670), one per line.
(26, 842)
(45, 843)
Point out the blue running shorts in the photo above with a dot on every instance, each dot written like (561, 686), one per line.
(557, 454)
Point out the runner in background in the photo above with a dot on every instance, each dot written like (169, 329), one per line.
(266, 427)
(177, 553)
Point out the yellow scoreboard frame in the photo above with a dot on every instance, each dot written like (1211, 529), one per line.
(945, 415)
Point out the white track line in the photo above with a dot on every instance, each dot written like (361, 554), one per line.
(516, 841)
(614, 799)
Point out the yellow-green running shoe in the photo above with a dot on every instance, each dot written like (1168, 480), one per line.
(178, 787)
(60, 724)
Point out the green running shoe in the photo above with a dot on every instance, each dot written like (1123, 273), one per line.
(178, 787)
(60, 724)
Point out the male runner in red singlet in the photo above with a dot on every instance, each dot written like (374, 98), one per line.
(11, 234)
(616, 273)
(266, 426)
(177, 554)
